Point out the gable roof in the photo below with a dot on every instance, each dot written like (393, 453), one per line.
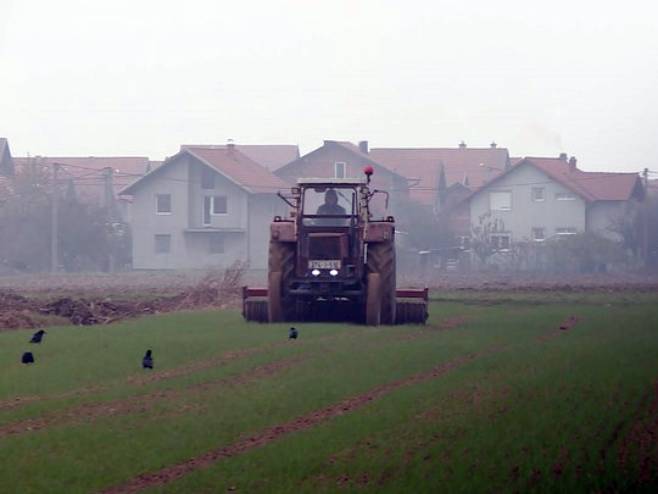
(87, 172)
(271, 156)
(347, 146)
(478, 165)
(230, 163)
(6, 161)
(591, 186)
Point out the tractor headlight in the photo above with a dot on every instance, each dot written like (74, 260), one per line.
(333, 272)
(315, 272)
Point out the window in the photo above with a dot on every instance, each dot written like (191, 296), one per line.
(216, 243)
(219, 205)
(162, 244)
(565, 196)
(207, 178)
(339, 169)
(464, 242)
(500, 242)
(163, 203)
(207, 208)
(538, 234)
(537, 194)
(500, 201)
(569, 230)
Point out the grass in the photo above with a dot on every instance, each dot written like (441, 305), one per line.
(533, 409)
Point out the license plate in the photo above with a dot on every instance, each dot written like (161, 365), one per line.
(324, 264)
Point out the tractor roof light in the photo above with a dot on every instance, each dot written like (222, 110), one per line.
(368, 170)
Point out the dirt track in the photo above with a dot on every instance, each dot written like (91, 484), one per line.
(169, 474)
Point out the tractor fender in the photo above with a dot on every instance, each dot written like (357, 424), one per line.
(283, 231)
(380, 231)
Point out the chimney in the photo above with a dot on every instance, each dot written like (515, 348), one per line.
(230, 145)
(572, 163)
(462, 145)
(493, 145)
(563, 156)
(363, 147)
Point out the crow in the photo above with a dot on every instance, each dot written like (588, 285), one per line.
(38, 336)
(292, 334)
(27, 358)
(147, 361)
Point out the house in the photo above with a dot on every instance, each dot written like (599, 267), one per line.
(203, 207)
(540, 198)
(470, 167)
(340, 159)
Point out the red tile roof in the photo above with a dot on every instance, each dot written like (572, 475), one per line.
(87, 172)
(478, 165)
(271, 156)
(239, 168)
(591, 186)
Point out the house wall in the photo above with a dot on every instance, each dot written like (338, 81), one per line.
(603, 215)
(262, 209)
(146, 223)
(526, 214)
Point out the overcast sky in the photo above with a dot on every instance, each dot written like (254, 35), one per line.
(141, 77)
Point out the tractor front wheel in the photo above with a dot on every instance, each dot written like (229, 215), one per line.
(381, 260)
(281, 268)
(373, 300)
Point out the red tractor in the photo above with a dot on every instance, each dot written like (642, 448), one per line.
(332, 261)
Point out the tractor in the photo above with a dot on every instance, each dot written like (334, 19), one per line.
(331, 260)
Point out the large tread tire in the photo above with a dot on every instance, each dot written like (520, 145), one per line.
(281, 268)
(381, 260)
(373, 300)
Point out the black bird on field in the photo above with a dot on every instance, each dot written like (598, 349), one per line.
(292, 334)
(147, 361)
(27, 358)
(38, 336)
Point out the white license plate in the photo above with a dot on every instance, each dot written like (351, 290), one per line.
(324, 264)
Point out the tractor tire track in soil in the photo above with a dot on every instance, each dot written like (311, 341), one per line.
(640, 444)
(141, 403)
(348, 405)
(445, 325)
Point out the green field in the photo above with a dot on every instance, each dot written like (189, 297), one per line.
(490, 396)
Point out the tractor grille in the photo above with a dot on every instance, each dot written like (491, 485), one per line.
(325, 247)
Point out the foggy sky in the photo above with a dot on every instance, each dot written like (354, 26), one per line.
(141, 77)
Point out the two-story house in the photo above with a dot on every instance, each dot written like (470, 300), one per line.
(340, 159)
(539, 198)
(204, 206)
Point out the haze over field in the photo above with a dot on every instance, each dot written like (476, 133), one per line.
(140, 78)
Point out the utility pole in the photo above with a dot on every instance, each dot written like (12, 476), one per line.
(54, 222)
(108, 199)
(645, 233)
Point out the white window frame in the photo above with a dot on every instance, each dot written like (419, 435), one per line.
(212, 205)
(568, 230)
(507, 192)
(543, 233)
(155, 243)
(501, 235)
(157, 205)
(344, 166)
(538, 199)
(565, 196)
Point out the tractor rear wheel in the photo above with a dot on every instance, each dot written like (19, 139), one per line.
(373, 300)
(381, 260)
(281, 268)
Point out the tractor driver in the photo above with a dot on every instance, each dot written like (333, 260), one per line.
(331, 207)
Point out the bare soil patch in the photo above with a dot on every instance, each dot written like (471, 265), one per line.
(169, 474)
